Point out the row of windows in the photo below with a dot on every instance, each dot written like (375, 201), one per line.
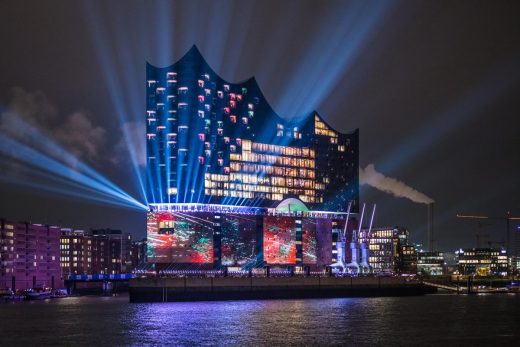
(283, 150)
(273, 160)
(272, 170)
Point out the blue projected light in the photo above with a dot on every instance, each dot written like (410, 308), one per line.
(210, 141)
(62, 172)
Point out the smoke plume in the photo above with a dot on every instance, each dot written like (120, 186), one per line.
(390, 185)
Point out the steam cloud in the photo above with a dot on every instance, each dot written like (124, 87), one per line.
(390, 185)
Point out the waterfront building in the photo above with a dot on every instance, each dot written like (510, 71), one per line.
(76, 252)
(111, 250)
(214, 142)
(231, 183)
(382, 247)
(406, 262)
(430, 263)
(29, 255)
(482, 261)
(100, 251)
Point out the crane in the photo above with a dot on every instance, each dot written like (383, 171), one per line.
(506, 218)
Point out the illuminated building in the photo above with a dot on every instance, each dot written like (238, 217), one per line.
(483, 261)
(231, 183)
(102, 251)
(214, 142)
(382, 250)
(76, 252)
(29, 256)
(430, 263)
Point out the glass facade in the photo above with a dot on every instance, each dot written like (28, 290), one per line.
(382, 250)
(430, 263)
(483, 261)
(214, 142)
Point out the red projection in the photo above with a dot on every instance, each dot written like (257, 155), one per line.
(279, 240)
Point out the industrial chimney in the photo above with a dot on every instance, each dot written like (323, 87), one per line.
(430, 227)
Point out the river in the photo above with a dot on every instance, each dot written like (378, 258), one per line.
(440, 320)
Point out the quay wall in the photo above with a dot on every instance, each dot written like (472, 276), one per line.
(156, 289)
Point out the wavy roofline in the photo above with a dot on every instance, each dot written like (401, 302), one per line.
(194, 50)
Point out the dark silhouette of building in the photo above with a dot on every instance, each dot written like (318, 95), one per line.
(100, 251)
(406, 253)
(139, 255)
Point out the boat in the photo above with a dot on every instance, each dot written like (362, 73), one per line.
(514, 287)
(59, 293)
(38, 293)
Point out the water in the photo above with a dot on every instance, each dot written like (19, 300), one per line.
(402, 321)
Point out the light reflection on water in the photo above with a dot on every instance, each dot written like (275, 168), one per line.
(429, 320)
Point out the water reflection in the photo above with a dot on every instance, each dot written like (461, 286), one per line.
(450, 319)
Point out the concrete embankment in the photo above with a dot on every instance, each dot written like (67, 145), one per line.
(156, 289)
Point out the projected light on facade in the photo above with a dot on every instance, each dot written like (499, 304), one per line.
(230, 183)
(178, 238)
(239, 240)
(279, 240)
(211, 141)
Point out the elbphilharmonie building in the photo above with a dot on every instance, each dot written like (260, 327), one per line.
(231, 183)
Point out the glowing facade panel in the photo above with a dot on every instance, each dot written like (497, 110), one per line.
(309, 242)
(180, 238)
(239, 240)
(214, 142)
(279, 240)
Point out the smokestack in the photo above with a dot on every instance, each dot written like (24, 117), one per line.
(430, 227)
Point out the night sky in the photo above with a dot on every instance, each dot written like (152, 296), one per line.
(433, 86)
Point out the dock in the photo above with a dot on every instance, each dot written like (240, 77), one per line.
(171, 289)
